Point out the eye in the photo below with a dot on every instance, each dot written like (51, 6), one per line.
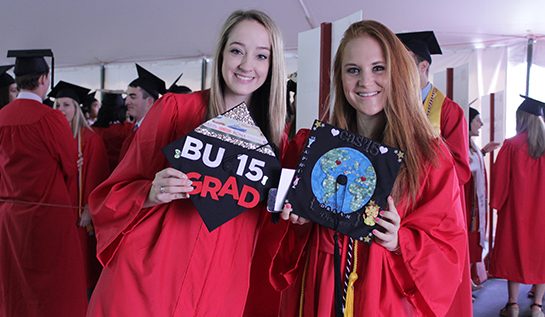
(353, 70)
(262, 57)
(379, 68)
(236, 51)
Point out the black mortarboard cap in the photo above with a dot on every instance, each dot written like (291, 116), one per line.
(178, 89)
(422, 43)
(112, 99)
(64, 89)
(88, 100)
(343, 180)
(149, 82)
(30, 61)
(532, 106)
(230, 162)
(5, 79)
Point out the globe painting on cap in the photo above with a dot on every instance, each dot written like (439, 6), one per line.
(231, 163)
(343, 180)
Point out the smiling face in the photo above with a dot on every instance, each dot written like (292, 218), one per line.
(137, 105)
(246, 61)
(364, 76)
(66, 106)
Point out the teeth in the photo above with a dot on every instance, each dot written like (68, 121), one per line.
(243, 77)
(367, 95)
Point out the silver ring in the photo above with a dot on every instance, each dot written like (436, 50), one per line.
(162, 189)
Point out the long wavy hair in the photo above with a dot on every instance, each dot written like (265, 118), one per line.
(268, 104)
(78, 121)
(406, 126)
(534, 125)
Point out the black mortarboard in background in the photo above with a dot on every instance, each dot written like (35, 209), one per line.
(149, 82)
(532, 106)
(30, 61)
(5, 79)
(178, 89)
(64, 89)
(422, 43)
(89, 99)
(112, 99)
(230, 162)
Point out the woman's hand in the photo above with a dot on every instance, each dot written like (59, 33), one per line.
(85, 218)
(386, 234)
(168, 185)
(295, 219)
(490, 147)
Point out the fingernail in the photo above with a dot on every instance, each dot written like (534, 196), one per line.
(377, 219)
(374, 232)
(382, 212)
(288, 206)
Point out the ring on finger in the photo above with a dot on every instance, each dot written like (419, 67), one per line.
(163, 190)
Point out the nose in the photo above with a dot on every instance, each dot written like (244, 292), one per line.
(245, 63)
(365, 79)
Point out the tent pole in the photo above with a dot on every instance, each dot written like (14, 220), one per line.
(529, 62)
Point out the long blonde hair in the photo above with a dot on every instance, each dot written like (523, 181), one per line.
(78, 121)
(534, 125)
(268, 105)
(406, 126)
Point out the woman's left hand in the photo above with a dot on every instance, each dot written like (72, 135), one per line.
(85, 218)
(387, 233)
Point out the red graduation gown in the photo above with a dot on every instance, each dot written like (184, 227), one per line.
(41, 265)
(126, 144)
(518, 182)
(95, 170)
(162, 261)
(422, 281)
(113, 137)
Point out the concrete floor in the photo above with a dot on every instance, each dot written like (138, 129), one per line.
(493, 297)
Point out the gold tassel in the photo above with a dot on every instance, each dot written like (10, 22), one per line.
(349, 305)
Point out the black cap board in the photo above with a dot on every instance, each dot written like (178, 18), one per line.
(178, 89)
(88, 100)
(532, 106)
(30, 61)
(112, 99)
(149, 82)
(343, 180)
(421, 43)
(5, 79)
(64, 89)
(230, 162)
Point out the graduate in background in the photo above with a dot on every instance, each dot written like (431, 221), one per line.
(414, 266)
(112, 127)
(95, 168)
(8, 87)
(518, 182)
(159, 258)
(41, 264)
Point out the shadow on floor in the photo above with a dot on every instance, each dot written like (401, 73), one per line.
(493, 297)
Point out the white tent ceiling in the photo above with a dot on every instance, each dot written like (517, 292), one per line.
(85, 32)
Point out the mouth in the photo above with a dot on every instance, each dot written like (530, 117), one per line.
(369, 94)
(243, 78)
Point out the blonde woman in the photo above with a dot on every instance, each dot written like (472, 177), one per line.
(159, 259)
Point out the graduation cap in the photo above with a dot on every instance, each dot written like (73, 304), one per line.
(178, 89)
(343, 180)
(5, 79)
(64, 89)
(30, 61)
(231, 163)
(532, 106)
(88, 100)
(149, 82)
(421, 43)
(112, 98)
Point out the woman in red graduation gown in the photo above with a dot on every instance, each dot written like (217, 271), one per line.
(518, 182)
(159, 258)
(415, 264)
(93, 171)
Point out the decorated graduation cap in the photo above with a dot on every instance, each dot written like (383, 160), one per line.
(230, 162)
(5, 78)
(149, 82)
(421, 43)
(343, 180)
(532, 106)
(64, 89)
